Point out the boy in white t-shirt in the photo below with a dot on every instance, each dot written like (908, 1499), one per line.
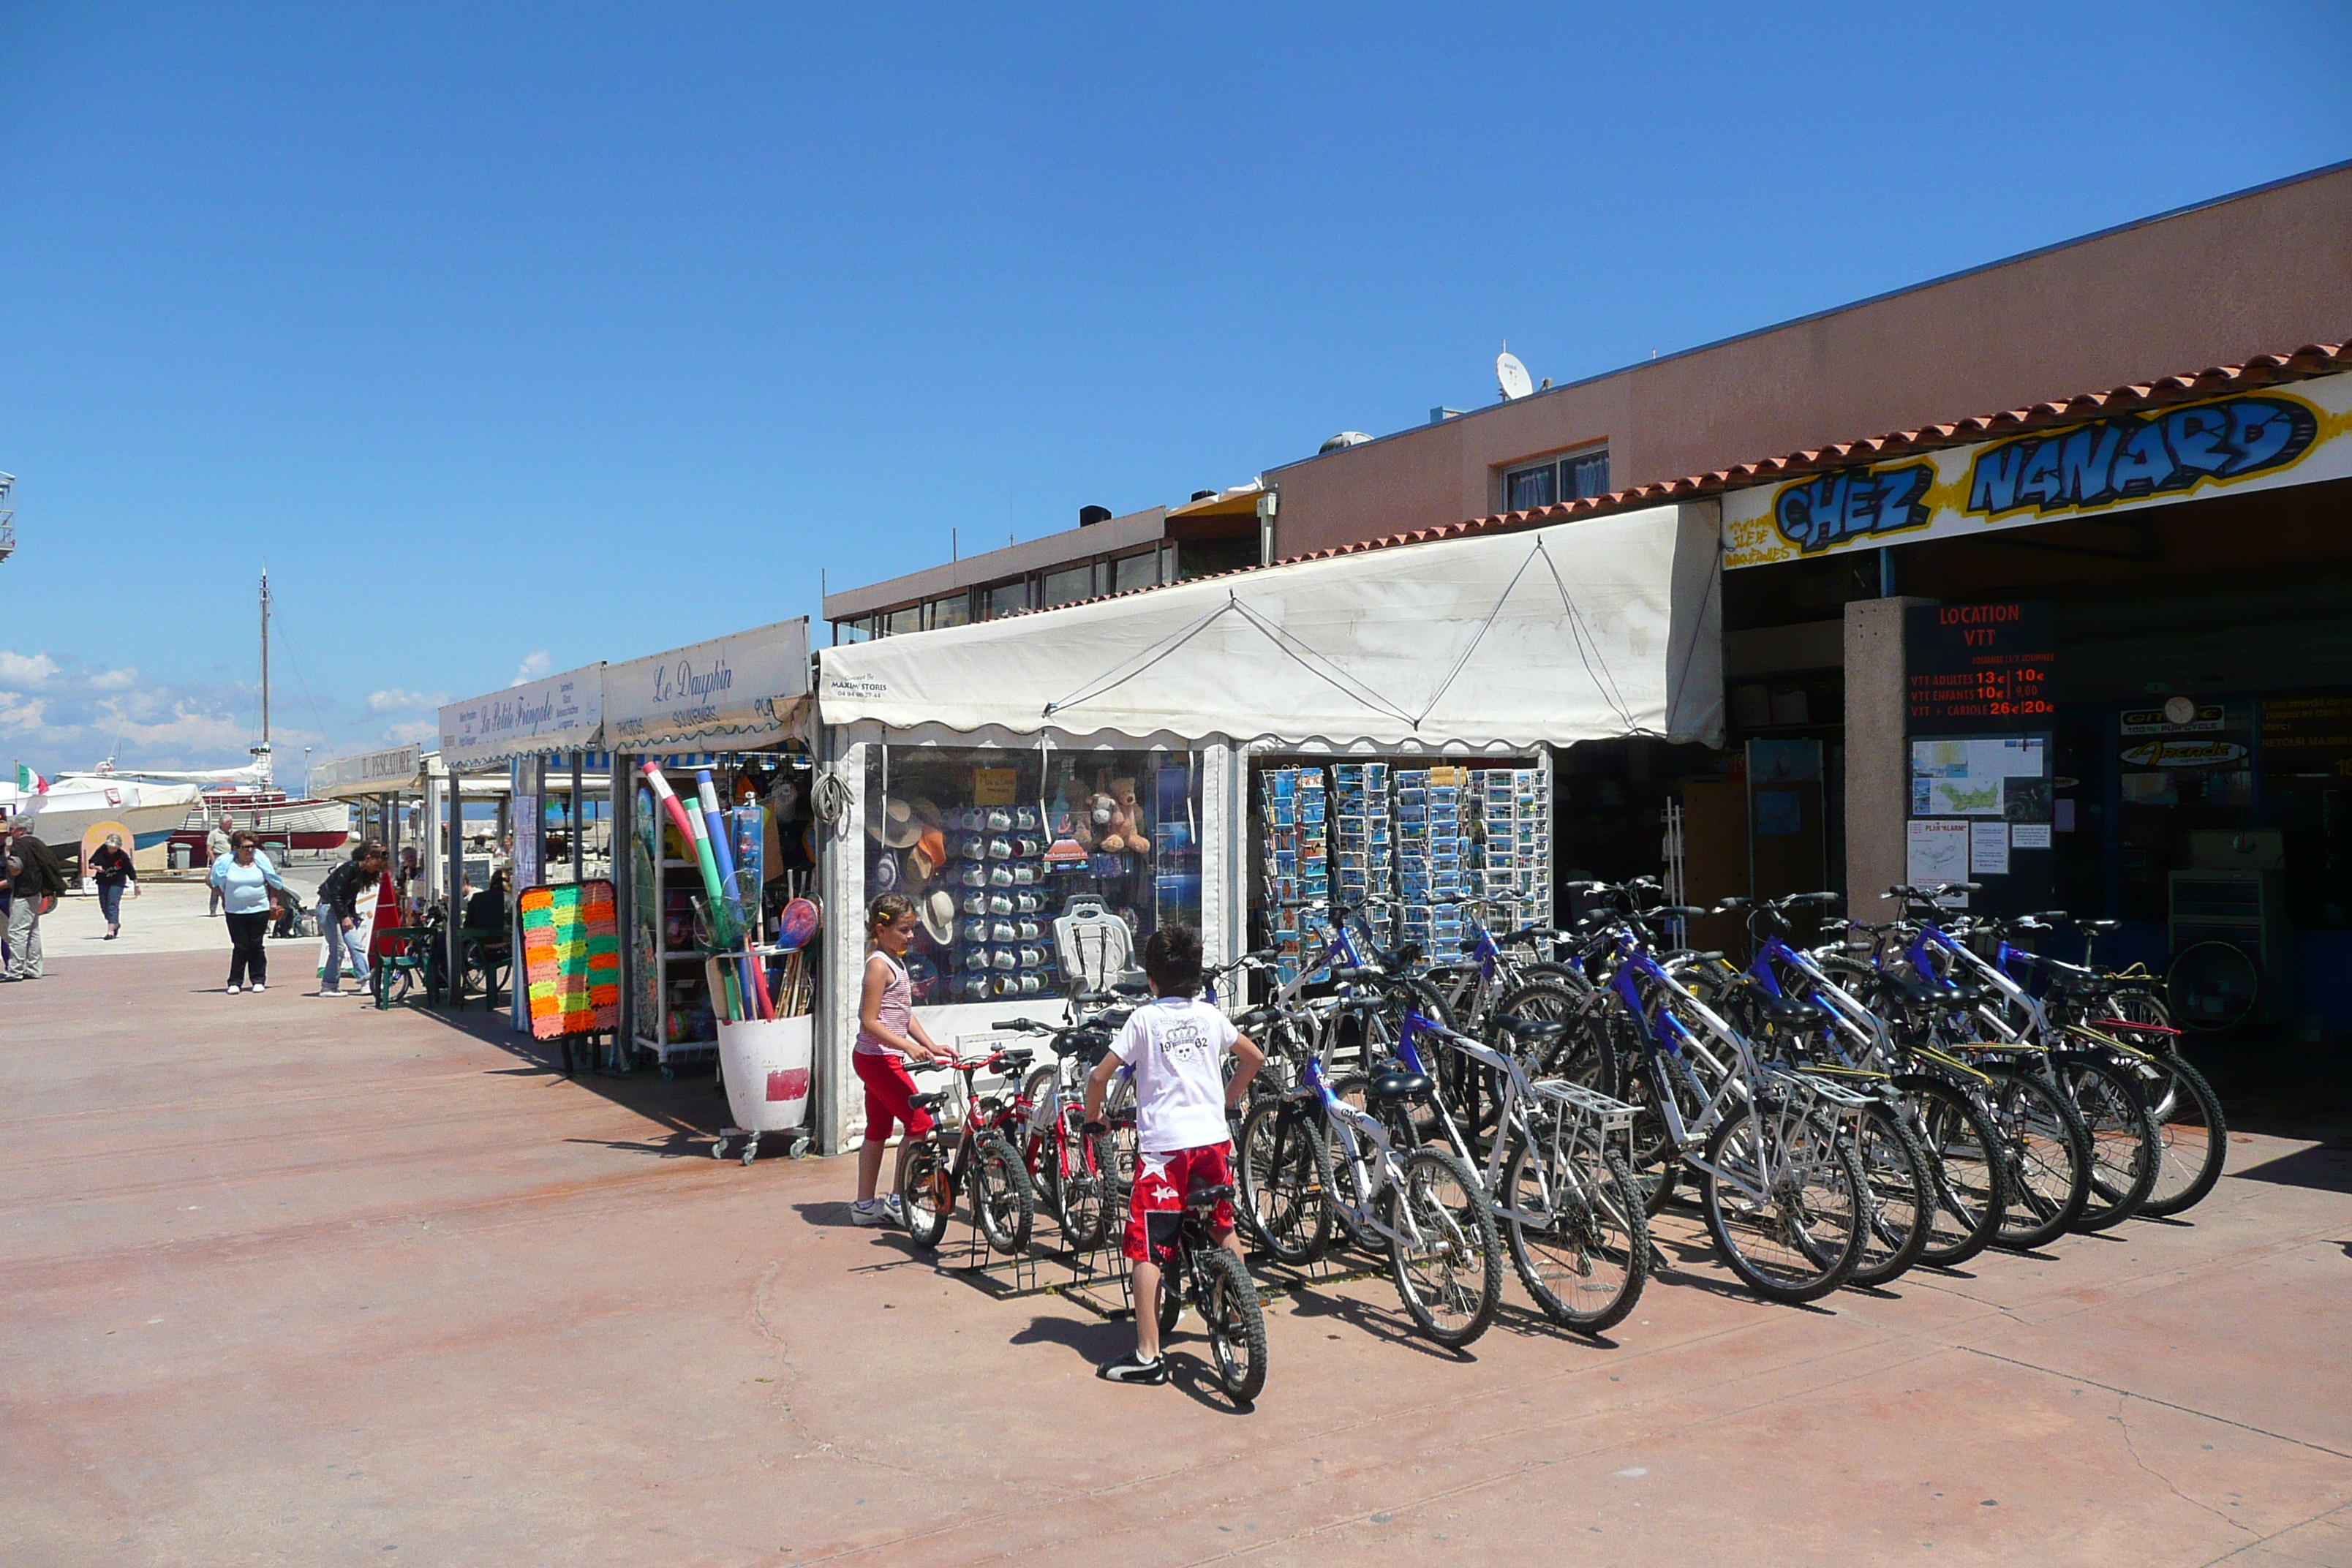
(1176, 1046)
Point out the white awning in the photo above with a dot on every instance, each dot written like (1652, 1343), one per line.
(561, 713)
(1579, 631)
(731, 692)
(388, 772)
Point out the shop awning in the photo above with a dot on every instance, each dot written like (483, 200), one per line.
(1583, 631)
(561, 713)
(731, 693)
(388, 772)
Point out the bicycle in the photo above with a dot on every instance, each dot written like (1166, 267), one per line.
(1566, 1201)
(982, 1161)
(1069, 1170)
(1444, 1257)
(1205, 1276)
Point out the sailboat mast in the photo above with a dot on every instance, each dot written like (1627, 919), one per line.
(265, 659)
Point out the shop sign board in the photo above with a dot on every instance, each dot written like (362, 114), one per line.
(2193, 718)
(387, 772)
(1971, 665)
(731, 692)
(2184, 754)
(2307, 735)
(2126, 462)
(560, 713)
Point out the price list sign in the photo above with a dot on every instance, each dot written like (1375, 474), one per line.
(1980, 666)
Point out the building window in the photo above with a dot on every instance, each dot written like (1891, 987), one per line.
(952, 611)
(1068, 584)
(1008, 598)
(1528, 488)
(848, 632)
(898, 623)
(1135, 572)
(1579, 477)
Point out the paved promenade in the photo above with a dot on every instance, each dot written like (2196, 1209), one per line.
(287, 1281)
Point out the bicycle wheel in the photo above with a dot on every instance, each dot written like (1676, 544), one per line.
(1075, 1164)
(924, 1192)
(1899, 1185)
(1573, 1056)
(1797, 1238)
(2192, 1136)
(999, 1194)
(1451, 1281)
(1279, 1180)
(1234, 1323)
(2125, 1150)
(1964, 1153)
(2045, 1152)
(1579, 1238)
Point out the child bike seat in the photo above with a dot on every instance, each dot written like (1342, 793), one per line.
(926, 1102)
(1208, 1197)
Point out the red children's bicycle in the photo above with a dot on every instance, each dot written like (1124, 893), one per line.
(977, 1155)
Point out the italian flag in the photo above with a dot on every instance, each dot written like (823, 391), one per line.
(29, 782)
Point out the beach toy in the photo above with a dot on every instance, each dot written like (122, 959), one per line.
(800, 921)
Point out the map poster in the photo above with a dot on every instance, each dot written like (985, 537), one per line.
(1938, 852)
(1934, 795)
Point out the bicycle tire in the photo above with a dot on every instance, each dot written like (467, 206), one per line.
(2125, 1149)
(1899, 1185)
(2189, 1168)
(1815, 1206)
(1080, 1195)
(1000, 1201)
(1604, 1278)
(926, 1194)
(1545, 1002)
(1171, 1306)
(2045, 1158)
(1234, 1323)
(1465, 1252)
(1279, 1180)
(1964, 1150)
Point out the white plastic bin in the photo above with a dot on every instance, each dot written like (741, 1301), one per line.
(765, 1063)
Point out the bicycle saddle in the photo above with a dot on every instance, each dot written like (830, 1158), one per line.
(1208, 1196)
(1392, 1083)
(927, 1101)
(1789, 1014)
(1534, 1030)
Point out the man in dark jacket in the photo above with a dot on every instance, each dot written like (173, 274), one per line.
(34, 879)
(348, 888)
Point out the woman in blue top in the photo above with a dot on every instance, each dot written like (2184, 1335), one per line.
(244, 881)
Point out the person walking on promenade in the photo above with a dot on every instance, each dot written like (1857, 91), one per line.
(111, 865)
(35, 881)
(216, 849)
(244, 881)
(356, 882)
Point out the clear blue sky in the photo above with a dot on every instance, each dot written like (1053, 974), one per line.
(525, 338)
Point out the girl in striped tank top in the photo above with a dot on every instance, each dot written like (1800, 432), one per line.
(888, 1034)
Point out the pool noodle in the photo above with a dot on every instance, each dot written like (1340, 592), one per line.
(690, 824)
(722, 850)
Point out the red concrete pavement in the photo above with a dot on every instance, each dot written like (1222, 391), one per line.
(287, 1281)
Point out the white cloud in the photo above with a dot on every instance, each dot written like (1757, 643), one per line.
(533, 665)
(27, 669)
(394, 699)
(421, 732)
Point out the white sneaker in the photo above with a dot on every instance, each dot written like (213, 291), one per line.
(234, 989)
(898, 1210)
(872, 1212)
(257, 985)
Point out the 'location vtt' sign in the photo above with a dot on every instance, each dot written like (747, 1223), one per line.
(2251, 441)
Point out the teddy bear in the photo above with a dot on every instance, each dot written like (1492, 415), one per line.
(1121, 833)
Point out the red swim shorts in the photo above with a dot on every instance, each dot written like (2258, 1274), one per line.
(1156, 1203)
(888, 1086)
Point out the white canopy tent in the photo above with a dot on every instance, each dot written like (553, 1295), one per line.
(1495, 642)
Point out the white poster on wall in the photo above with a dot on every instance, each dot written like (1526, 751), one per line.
(1938, 852)
(1987, 850)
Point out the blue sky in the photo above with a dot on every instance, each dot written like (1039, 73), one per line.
(517, 339)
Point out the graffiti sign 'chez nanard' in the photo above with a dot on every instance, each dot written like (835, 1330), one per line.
(2119, 462)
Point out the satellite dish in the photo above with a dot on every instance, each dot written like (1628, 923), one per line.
(1512, 375)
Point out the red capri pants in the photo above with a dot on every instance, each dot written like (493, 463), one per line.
(888, 1087)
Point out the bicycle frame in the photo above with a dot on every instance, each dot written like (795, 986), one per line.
(1350, 1128)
